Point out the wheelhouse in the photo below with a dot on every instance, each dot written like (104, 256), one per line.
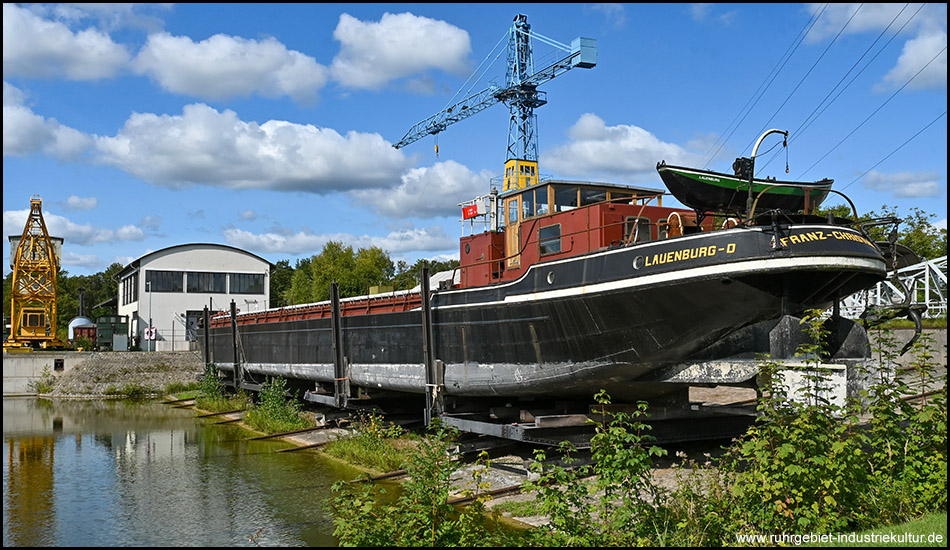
(556, 219)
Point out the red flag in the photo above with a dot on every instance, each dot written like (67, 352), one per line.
(469, 212)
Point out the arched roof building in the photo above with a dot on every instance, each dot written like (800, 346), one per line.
(168, 290)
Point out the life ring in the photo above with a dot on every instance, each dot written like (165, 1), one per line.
(674, 225)
(729, 223)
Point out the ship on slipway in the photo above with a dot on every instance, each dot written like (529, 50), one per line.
(570, 288)
(574, 287)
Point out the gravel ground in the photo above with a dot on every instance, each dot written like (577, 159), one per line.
(104, 373)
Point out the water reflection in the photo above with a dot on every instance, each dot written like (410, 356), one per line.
(125, 473)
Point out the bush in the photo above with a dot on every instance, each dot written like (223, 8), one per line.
(44, 384)
(274, 412)
(372, 444)
(213, 398)
(364, 515)
(806, 467)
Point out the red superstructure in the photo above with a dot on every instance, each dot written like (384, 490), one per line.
(556, 219)
(551, 220)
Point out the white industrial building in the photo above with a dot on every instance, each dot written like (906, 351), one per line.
(168, 290)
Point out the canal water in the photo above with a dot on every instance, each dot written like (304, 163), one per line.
(143, 473)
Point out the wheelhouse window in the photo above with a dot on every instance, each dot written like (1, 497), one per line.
(541, 201)
(641, 227)
(164, 281)
(534, 202)
(549, 240)
(591, 196)
(565, 198)
(620, 196)
(513, 211)
(212, 283)
(527, 204)
(247, 283)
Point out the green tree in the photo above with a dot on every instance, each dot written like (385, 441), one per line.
(408, 276)
(281, 279)
(354, 271)
(301, 284)
(372, 266)
(336, 262)
(916, 232)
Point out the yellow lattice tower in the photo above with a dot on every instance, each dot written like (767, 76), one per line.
(33, 300)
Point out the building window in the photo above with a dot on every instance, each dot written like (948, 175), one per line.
(212, 283)
(164, 281)
(247, 283)
(130, 289)
(549, 240)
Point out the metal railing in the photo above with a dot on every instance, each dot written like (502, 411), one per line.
(925, 283)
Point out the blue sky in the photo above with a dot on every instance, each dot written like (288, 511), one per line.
(269, 127)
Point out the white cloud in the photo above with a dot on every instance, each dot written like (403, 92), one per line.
(222, 67)
(626, 153)
(37, 47)
(81, 203)
(926, 54)
(927, 25)
(904, 184)
(399, 45)
(151, 222)
(88, 261)
(305, 242)
(704, 13)
(74, 233)
(615, 14)
(204, 146)
(858, 18)
(25, 132)
(426, 192)
(109, 15)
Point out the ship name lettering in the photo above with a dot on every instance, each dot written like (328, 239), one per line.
(821, 236)
(687, 254)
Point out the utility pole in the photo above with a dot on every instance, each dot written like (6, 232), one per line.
(149, 333)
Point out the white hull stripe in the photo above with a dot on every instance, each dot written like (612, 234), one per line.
(730, 270)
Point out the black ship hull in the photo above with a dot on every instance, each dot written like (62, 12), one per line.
(569, 328)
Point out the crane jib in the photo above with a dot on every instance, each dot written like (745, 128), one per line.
(521, 96)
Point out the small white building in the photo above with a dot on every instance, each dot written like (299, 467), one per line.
(168, 290)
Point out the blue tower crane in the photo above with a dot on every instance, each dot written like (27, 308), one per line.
(520, 94)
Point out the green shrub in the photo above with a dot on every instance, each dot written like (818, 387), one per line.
(275, 412)
(372, 444)
(45, 383)
(420, 515)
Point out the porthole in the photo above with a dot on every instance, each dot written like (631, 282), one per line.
(468, 248)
